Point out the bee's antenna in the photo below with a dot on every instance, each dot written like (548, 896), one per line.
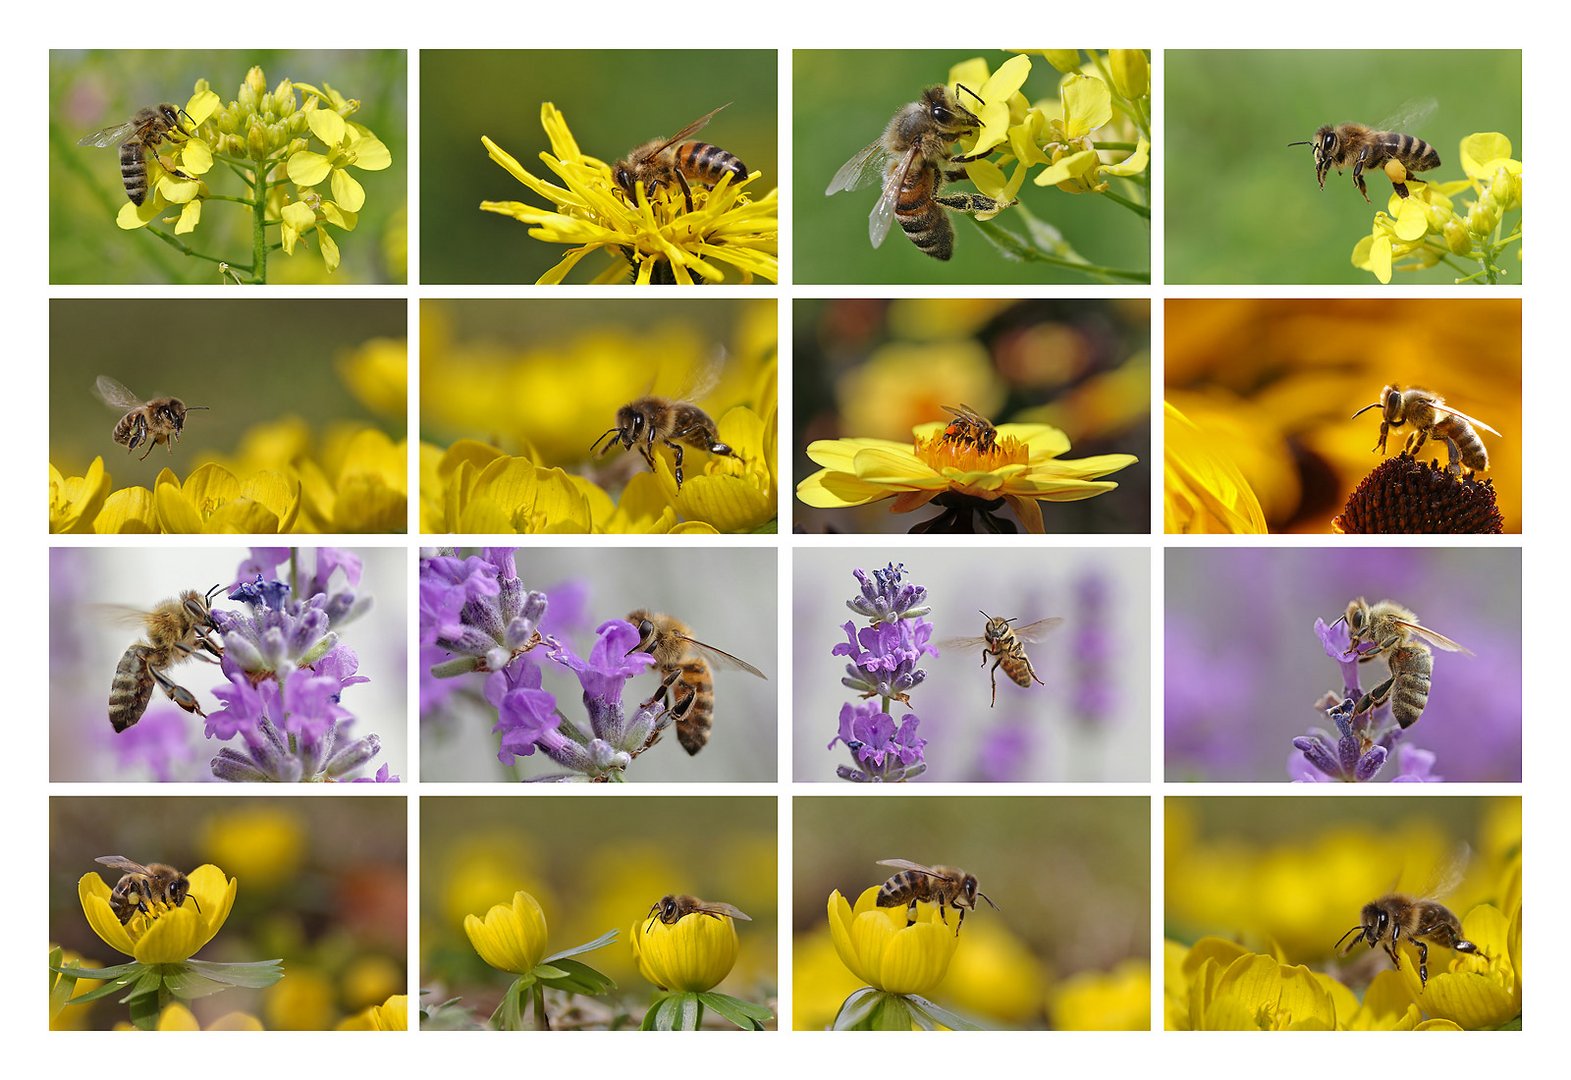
(1300, 142)
(1366, 408)
(989, 900)
(596, 443)
(214, 591)
(984, 614)
(193, 900)
(1338, 946)
(1343, 619)
(650, 924)
(973, 93)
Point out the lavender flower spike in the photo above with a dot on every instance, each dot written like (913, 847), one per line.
(884, 658)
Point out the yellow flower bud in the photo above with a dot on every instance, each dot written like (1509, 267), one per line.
(256, 141)
(1456, 236)
(1131, 71)
(880, 949)
(255, 81)
(1481, 218)
(1065, 60)
(510, 938)
(692, 955)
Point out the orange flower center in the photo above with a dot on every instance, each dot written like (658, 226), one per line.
(939, 452)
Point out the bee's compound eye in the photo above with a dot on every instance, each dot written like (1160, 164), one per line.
(942, 114)
(1329, 141)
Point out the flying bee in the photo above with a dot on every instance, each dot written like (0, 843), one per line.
(1404, 643)
(671, 909)
(676, 422)
(175, 630)
(1431, 417)
(945, 886)
(970, 428)
(1006, 644)
(1423, 920)
(913, 161)
(687, 681)
(1340, 145)
(140, 887)
(137, 138)
(663, 162)
(154, 421)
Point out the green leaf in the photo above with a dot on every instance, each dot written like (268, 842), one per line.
(662, 1014)
(545, 972)
(744, 1014)
(78, 972)
(1046, 246)
(892, 1014)
(507, 1016)
(112, 986)
(604, 939)
(689, 1012)
(855, 1010)
(941, 1015)
(253, 975)
(146, 983)
(770, 526)
(579, 978)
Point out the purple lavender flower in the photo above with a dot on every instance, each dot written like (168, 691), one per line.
(883, 664)
(287, 672)
(1094, 694)
(883, 751)
(159, 742)
(1005, 751)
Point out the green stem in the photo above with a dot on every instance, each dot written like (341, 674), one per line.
(259, 228)
(1143, 211)
(181, 246)
(294, 572)
(540, 1013)
(227, 198)
(1117, 146)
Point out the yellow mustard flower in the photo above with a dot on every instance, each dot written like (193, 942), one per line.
(880, 949)
(1202, 490)
(1117, 1000)
(176, 1017)
(662, 240)
(1131, 71)
(214, 500)
(163, 935)
(347, 144)
(511, 937)
(174, 179)
(1024, 466)
(391, 1015)
(692, 955)
(75, 501)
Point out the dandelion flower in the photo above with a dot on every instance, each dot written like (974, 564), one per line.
(661, 241)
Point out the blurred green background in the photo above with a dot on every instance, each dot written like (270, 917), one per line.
(250, 362)
(612, 101)
(322, 884)
(1242, 207)
(1070, 876)
(92, 89)
(840, 102)
(594, 864)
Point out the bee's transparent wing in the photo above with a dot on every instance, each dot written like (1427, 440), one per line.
(966, 412)
(1409, 115)
(1439, 641)
(1031, 633)
(720, 659)
(1448, 875)
(961, 642)
(865, 164)
(1475, 421)
(109, 136)
(123, 864)
(703, 378)
(125, 615)
(690, 129)
(714, 907)
(883, 214)
(115, 394)
(907, 864)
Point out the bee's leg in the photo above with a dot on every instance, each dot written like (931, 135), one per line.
(687, 192)
(1375, 698)
(952, 175)
(178, 694)
(1423, 962)
(149, 450)
(1358, 173)
(993, 676)
(911, 913)
(1454, 458)
(665, 689)
(676, 448)
(195, 652)
(1385, 430)
(968, 203)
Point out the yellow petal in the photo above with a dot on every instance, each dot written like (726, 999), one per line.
(203, 103)
(129, 510)
(347, 190)
(1481, 151)
(1088, 104)
(327, 126)
(1132, 165)
(196, 157)
(371, 154)
(308, 169)
(829, 490)
(190, 217)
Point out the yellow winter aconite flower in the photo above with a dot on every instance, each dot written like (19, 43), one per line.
(391, 1015)
(176, 1017)
(377, 374)
(880, 949)
(213, 500)
(1203, 491)
(732, 494)
(164, 935)
(1025, 466)
(511, 937)
(1117, 1000)
(692, 955)
(1231, 989)
(75, 501)
(996, 976)
(61, 1018)
(1477, 992)
(261, 843)
(659, 241)
(366, 491)
(819, 981)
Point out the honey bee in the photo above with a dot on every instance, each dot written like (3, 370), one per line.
(159, 420)
(1006, 644)
(970, 428)
(1372, 147)
(137, 138)
(1423, 920)
(913, 160)
(175, 630)
(945, 886)
(671, 909)
(662, 162)
(1399, 637)
(1431, 417)
(686, 673)
(141, 887)
(673, 421)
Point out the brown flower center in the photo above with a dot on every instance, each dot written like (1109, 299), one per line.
(1405, 495)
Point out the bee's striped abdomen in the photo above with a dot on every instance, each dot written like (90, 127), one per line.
(694, 692)
(1411, 666)
(923, 220)
(133, 170)
(708, 163)
(1414, 153)
(132, 688)
(1468, 444)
